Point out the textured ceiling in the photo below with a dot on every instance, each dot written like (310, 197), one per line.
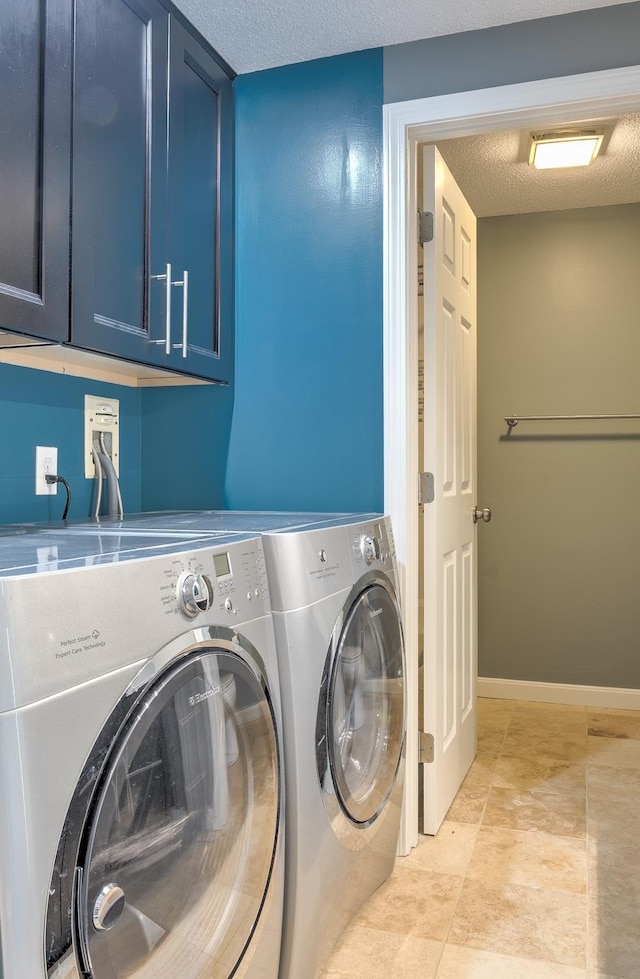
(256, 34)
(495, 177)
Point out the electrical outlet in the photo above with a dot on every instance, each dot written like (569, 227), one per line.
(46, 462)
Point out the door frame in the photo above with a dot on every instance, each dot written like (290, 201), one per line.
(549, 101)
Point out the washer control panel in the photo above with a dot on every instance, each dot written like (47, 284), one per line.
(370, 548)
(231, 580)
(372, 543)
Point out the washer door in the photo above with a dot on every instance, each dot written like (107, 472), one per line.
(361, 721)
(176, 856)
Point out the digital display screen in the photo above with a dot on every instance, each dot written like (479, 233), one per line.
(221, 565)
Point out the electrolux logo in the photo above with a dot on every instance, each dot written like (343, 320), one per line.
(199, 697)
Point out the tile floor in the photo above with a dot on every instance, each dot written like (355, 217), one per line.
(535, 873)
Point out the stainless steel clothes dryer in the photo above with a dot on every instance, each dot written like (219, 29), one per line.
(141, 812)
(342, 677)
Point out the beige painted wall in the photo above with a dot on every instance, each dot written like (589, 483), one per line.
(559, 332)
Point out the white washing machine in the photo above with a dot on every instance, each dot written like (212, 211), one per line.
(341, 661)
(141, 811)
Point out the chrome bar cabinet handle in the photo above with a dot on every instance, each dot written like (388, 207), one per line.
(184, 282)
(167, 318)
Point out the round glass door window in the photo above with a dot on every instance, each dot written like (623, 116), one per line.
(180, 847)
(365, 705)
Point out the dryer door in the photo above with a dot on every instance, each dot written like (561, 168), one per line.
(362, 718)
(176, 856)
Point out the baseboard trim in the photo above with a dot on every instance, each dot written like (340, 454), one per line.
(559, 693)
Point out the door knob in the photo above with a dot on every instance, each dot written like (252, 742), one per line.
(481, 514)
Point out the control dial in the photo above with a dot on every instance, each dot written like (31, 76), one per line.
(194, 593)
(370, 547)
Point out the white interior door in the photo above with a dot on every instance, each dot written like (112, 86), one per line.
(449, 452)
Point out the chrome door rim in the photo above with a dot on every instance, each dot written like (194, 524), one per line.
(209, 639)
(353, 833)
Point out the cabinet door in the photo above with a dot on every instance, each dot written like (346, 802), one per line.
(119, 178)
(201, 208)
(35, 81)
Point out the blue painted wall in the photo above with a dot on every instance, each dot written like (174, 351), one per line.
(307, 423)
(39, 408)
(185, 439)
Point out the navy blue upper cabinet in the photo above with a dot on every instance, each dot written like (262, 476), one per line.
(200, 209)
(35, 144)
(151, 203)
(119, 177)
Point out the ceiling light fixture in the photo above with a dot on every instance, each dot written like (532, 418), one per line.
(570, 148)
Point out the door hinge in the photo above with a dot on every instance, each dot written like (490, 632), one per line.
(426, 488)
(425, 748)
(425, 227)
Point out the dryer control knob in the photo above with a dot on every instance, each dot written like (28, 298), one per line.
(194, 593)
(370, 547)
